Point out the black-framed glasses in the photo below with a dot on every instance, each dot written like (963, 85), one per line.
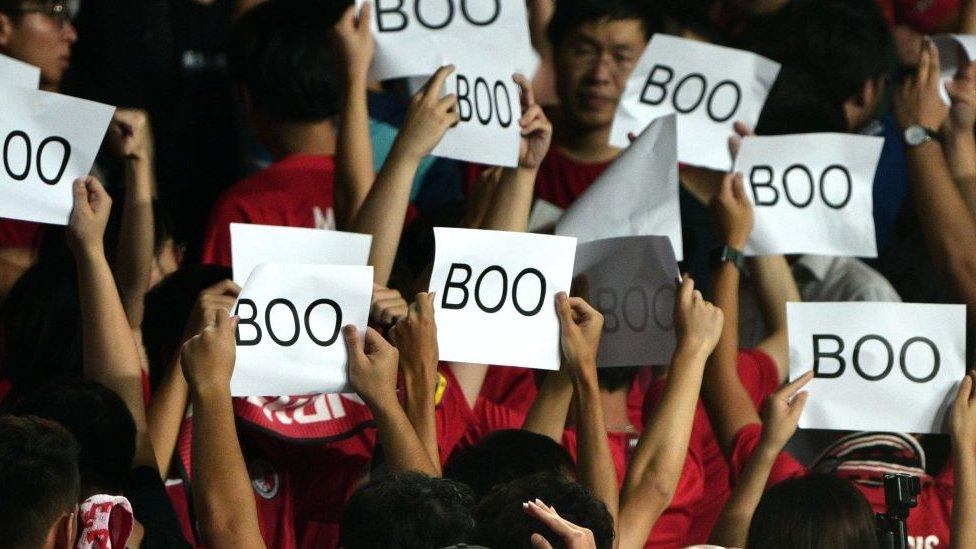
(60, 11)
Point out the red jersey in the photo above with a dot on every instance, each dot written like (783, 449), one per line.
(562, 180)
(19, 234)
(296, 191)
(925, 16)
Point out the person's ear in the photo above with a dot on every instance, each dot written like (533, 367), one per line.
(66, 531)
(6, 30)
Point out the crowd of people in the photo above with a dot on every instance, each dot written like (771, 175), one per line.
(117, 334)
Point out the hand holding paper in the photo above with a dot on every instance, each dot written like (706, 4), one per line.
(354, 41)
(962, 417)
(698, 322)
(208, 357)
(372, 367)
(221, 295)
(732, 212)
(536, 128)
(415, 336)
(781, 413)
(387, 306)
(918, 101)
(580, 326)
(428, 118)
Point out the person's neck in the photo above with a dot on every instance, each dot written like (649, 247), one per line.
(615, 411)
(284, 139)
(584, 144)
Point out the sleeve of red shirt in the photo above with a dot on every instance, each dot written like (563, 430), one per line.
(19, 234)
(743, 447)
(216, 242)
(758, 374)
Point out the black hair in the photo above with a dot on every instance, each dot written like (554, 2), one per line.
(800, 102)
(816, 511)
(38, 478)
(407, 510)
(280, 53)
(101, 423)
(503, 523)
(167, 310)
(42, 327)
(504, 456)
(617, 379)
(843, 43)
(571, 14)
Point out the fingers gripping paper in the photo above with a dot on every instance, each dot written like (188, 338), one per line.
(252, 245)
(709, 88)
(955, 52)
(631, 281)
(289, 339)
(812, 193)
(412, 36)
(16, 73)
(636, 195)
(877, 366)
(489, 106)
(49, 140)
(495, 296)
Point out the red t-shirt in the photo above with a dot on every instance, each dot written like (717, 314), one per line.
(19, 234)
(925, 16)
(562, 180)
(296, 191)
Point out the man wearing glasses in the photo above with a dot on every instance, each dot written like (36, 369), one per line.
(39, 32)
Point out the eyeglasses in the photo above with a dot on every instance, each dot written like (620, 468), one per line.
(60, 11)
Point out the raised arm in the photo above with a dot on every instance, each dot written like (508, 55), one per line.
(354, 152)
(415, 337)
(373, 374)
(131, 138)
(727, 401)
(165, 413)
(948, 227)
(383, 213)
(781, 415)
(222, 494)
(580, 329)
(109, 353)
(957, 133)
(656, 466)
(775, 286)
(962, 425)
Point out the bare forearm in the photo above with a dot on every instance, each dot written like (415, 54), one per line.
(136, 239)
(728, 403)
(354, 152)
(732, 527)
(221, 491)
(961, 156)
(547, 416)
(165, 415)
(420, 412)
(776, 286)
(964, 497)
(512, 201)
(967, 17)
(384, 211)
(401, 445)
(659, 458)
(596, 470)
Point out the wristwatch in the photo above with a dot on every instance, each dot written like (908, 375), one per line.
(917, 134)
(731, 255)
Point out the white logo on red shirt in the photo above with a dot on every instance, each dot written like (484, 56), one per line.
(264, 479)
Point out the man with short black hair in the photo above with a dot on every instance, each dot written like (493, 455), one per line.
(38, 483)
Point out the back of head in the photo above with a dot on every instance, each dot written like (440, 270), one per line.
(800, 102)
(843, 43)
(502, 522)
(817, 511)
(409, 511)
(168, 307)
(280, 54)
(504, 456)
(571, 14)
(100, 423)
(38, 478)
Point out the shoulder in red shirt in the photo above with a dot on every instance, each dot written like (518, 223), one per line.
(562, 180)
(296, 191)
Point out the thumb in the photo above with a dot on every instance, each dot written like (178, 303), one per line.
(221, 319)
(799, 401)
(539, 542)
(351, 335)
(80, 192)
(563, 309)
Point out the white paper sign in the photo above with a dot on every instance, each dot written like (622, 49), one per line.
(49, 140)
(636, 195)
(631, 280)
(416, 37)
(14, 72)
(544, 216)
(289, 339)
(490, 109)
(709, 88)
(252, 245)
(496, 296)
(951, 58)
(813, 193)
(877, 366)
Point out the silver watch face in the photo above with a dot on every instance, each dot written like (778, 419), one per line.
(916, 135)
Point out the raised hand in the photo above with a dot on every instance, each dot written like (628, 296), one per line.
(573, 536)
(415, 337)
(89, 216)
(221, 295)
(354, 41)
(781, 413)
(387, 306)
(536, 128)
(962, 93)
(372, 367)
(208, 357)
(697, 322)
(732, 212)
(962, 415)
(580, 329)
(428, 117)
(917, 101)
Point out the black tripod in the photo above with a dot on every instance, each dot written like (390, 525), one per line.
(901, 493)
